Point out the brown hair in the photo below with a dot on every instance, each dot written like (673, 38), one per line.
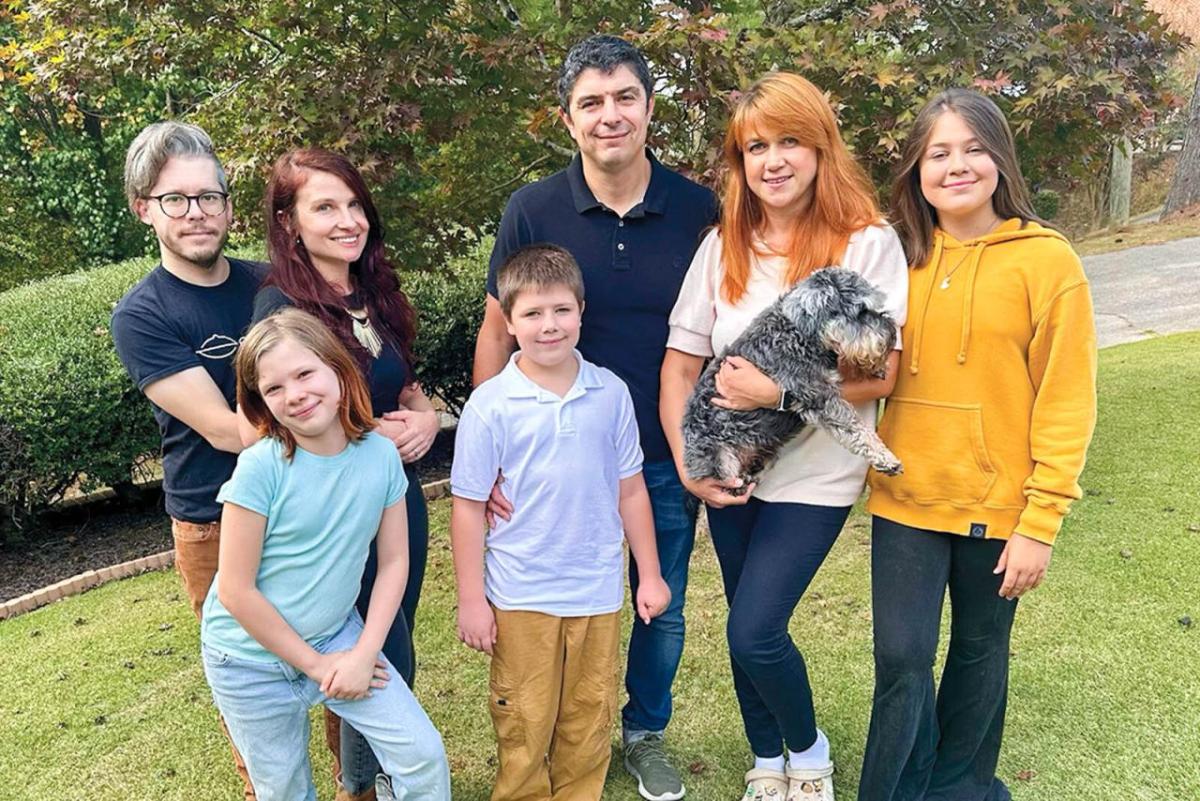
(843, 198)
(912, 215)
(354, 409)
(537, 267)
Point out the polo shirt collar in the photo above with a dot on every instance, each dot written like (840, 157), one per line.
(655, 201)
(518, 385)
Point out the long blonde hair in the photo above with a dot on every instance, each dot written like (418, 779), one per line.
(843, 198)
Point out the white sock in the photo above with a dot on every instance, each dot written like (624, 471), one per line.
(815, 757)
(769, 763)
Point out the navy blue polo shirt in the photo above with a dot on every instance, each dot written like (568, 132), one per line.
(632, 268)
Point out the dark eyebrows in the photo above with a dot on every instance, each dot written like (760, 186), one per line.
(635, 88)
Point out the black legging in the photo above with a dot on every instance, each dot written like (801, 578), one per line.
(927, 745)
(358, 761)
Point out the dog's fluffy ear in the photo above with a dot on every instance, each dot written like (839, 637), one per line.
(863, 340)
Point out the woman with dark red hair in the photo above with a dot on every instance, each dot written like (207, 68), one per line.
(325, 242)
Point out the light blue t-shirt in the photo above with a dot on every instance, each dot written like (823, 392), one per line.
(322, 514)
(563, 460)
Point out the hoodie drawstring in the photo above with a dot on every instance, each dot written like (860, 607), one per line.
(969, 301)
(936, 259)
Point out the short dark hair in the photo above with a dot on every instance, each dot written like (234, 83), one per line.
(537, 267)
(604, 53)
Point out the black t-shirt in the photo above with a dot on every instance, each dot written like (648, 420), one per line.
(387, 373)
(165, 325)
(632, 269)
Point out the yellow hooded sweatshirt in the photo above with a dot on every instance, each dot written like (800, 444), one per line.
(995, 400)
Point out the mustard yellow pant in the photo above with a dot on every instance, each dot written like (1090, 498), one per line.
(553, 698)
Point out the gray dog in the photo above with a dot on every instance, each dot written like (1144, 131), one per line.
(797, 341)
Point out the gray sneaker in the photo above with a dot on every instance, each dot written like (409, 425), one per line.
(647, 761)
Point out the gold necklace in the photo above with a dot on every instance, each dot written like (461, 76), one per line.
(946, 281)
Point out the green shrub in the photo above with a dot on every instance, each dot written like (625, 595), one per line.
(32, 244)
(1045, 203)
(68, 411)
(449, 304)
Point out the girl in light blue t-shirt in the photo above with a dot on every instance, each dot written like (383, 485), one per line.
(279, 631)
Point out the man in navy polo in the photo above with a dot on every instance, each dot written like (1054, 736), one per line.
(633, 226)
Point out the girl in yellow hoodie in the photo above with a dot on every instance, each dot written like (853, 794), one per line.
(991, 415)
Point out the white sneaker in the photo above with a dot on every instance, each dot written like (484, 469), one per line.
(810, 784)
(765, 785)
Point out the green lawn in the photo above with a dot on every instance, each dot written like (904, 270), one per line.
(105, 698)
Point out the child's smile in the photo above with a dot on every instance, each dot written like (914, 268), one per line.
(303, 394)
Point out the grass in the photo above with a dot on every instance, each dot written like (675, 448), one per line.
(1134, 235)
(105, 693)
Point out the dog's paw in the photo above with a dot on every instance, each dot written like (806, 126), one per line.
(889, 467)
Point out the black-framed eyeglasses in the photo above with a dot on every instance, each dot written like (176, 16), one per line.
(177, 204)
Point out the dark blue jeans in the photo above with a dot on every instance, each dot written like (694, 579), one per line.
(924, 746)
(359, 765)
(654, 650)
(769, 553)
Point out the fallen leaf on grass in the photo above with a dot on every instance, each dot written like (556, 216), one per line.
(166, 627)
(697, 767)
(1026, 775)
(1126, 553)
(1194, 528)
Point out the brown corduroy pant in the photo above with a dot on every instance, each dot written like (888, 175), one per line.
(553, 696)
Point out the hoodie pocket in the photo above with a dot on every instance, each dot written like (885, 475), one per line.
(941, 446)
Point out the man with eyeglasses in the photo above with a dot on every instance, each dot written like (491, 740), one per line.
(177, 332)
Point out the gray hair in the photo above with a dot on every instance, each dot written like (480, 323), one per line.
(157, 143)
(604, 53)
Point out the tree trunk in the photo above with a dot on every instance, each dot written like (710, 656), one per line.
(1120, 182)
(1185, 186)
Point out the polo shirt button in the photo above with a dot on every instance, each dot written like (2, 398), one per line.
(620, 246)
(620, 223)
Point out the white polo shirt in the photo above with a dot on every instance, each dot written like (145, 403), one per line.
(563, 460)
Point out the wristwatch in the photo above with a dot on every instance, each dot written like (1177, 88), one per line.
(784, 401)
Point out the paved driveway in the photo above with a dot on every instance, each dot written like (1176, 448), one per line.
(1146, 291)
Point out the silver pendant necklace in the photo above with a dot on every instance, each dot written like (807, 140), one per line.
(364, 332)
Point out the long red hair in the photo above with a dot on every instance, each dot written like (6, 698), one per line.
(843, 199)
(293, 272)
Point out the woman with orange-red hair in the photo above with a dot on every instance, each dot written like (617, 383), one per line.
(794, 201)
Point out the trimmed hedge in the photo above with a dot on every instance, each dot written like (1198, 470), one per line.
(69, 413)
(449, 305)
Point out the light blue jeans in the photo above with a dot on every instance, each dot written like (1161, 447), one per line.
(265, 706)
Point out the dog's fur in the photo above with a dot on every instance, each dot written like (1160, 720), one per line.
(797, 341)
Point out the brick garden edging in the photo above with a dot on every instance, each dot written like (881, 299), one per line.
(94, 578)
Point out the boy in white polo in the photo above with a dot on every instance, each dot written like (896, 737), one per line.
(541, 593)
